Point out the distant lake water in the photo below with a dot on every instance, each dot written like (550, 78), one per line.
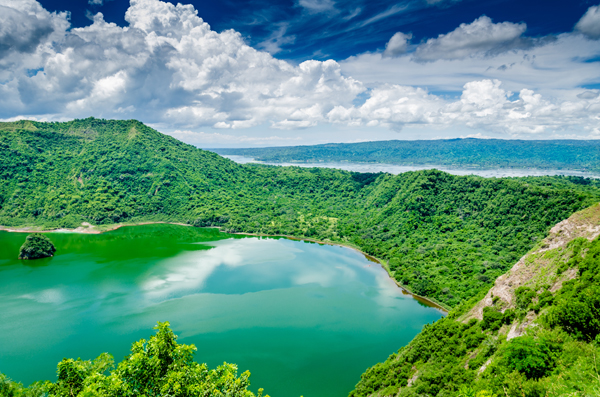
(398, 169)
(305, 319)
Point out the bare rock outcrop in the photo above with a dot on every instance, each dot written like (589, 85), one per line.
(538, 267)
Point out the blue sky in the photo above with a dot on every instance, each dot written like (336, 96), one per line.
(324, 29)
(260, 73)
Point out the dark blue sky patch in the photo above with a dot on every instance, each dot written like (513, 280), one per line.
(323, 29)
(33, 72)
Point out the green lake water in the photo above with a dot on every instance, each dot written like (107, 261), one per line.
(304, 318)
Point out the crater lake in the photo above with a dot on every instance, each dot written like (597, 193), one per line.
(304, 318)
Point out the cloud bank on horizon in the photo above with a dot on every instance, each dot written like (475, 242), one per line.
(167, 67)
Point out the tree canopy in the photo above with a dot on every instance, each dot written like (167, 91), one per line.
(36, 246)
(443, 236)
(156, 367)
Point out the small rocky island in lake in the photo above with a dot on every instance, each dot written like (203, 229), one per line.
(37, 246)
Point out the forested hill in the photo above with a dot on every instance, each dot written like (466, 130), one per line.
(535, 334)
(445, 237)
(459, 153)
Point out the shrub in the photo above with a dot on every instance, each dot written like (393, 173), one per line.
(580, 315)
(509, 316)
(533, 358)
(492, 319)
(36, 246)
(524, 297)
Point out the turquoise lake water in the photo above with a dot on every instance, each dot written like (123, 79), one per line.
(304, 318)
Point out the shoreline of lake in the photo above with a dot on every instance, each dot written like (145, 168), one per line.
(395, 169)
(427, 301)
(278, 307)
(89, 229)
(86, 229)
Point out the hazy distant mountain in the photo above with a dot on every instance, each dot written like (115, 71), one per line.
(460, 153)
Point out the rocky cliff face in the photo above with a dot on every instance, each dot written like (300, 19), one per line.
(535, 333)
(539, 268)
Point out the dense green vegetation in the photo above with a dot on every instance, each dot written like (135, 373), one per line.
(558, 357)
(445, 237)
(156, 367)
(36, 246)
(461, 153)
(442, 236)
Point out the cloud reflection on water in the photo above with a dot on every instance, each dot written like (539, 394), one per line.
(188, 272)
(277, 283)
(51, 295)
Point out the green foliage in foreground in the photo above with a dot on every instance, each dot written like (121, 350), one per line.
(558, 357)
(465, 153)
(156, 367)
(36, 246)
(445, 237)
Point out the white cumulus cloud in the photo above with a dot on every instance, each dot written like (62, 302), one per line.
(397, 45)
(168, 67)
(24, 26)
(589, 24)
(483, 104)
(480, 36)
(392, 106)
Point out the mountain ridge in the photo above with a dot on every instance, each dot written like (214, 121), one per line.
(470, 153)
(442, 236)
(438, 233)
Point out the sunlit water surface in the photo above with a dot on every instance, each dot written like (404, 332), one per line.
(305, 319)
(399, 169)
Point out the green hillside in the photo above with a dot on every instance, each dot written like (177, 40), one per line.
(535, 334)
(454, 153)
(445, 237)
(442, 236)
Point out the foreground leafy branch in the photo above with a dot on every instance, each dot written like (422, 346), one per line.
(156, 367)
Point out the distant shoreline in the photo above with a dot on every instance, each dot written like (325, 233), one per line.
(392, 168)
(458, 167)
(87, 228)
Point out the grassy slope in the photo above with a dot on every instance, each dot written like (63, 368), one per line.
(539, 335)
(444, 236)
(470, 153)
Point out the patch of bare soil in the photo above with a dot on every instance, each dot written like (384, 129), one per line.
(539, 266)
